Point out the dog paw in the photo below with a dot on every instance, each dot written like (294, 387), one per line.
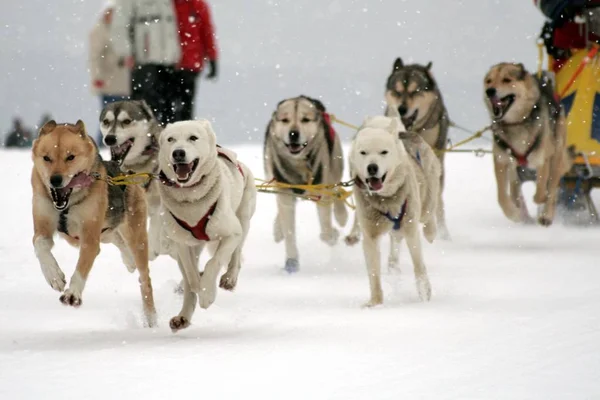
(373, 303)
(228, 281)
(424, 289)
(54, 276)
(150, 320)
(330, 237)
(430, 232)
(70, 298)
(178, 323)
(352, 239)
(208, 293)
(393, 265)
(292, 265)
(545, 221)
(129, 263)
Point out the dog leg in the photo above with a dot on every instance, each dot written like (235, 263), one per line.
(372, 259)
(277, 231)
(229, 279)
(394, 259)
(556, 172)
(440, 210)
(287, 218)
(416, 253)
(184, 318)
(354, 236)
(136, 237)
(223, 256)
(126, 255)
(511, 211)
(52, 272)
(154, 248)
(88, 251)
(541, 183)
(340, 212)
(189, 262)
(329, 234)
(516, 195)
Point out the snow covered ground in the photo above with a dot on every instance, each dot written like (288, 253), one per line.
(514, 314)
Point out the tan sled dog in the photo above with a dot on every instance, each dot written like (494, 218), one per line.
(397, 187)
(71, 196)
(301, 147)
(529, 137)
(207, 196)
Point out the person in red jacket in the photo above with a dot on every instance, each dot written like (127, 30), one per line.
(198, 44)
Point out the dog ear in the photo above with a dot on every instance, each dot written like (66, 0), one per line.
(48, 127)
(428, 66)
(393, 127)
(80, 126)
(392, 112)
(522, 71)
(207, 126)
(146, 110)
(398, 64)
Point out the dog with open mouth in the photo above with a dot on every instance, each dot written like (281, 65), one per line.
(397, 177)
(131, 131)
(529, 132)
(301, 147)
(413, 94)
(207, 197)
(71, 197)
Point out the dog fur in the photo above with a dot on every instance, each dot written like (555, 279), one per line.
(529, 133)
(413, 94)
(131, 131)
(301, 147)
(71, 196)
(200, 180)
(404, 186)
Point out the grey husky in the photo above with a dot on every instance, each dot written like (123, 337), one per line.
(301, 147)
(131, 131)
(412, 92)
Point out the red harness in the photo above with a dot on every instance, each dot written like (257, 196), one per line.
(198, 231)
(521, 158)
(331, 132)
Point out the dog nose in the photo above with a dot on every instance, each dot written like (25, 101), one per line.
(372, 169)
(179, 155)
(402, 110)
(491, 92)
(294, 136)
(56, 181)
(110, 140)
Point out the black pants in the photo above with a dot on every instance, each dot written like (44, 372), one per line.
(183, 89)
(154, 83)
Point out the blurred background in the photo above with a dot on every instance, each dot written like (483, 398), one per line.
(338, 50)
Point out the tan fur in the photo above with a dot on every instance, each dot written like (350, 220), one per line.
(86, 213)
(550, 159)
(407, 180)
(280, 164)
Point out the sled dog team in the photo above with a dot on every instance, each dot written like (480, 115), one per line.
(202, 195)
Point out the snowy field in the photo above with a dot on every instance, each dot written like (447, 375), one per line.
(514, 314)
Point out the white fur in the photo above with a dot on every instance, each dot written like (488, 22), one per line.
(52, 272)
(221, 183)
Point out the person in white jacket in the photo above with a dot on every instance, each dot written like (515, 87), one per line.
(145, 37)
(111, 79)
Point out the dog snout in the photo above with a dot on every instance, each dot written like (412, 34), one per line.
(179, 155)
(372, 169)
(56, 181)
(402, 110)
(490, 92)
(110, 140)
(294, 136)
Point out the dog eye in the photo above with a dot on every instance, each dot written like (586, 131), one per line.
(305, 120)
(70, 157)
(285, 120)
(384, 152)
(488, 81)
(47, 159)
(506, 80)
(126, 121)
(193, 138)
(170, 140)
(106, 121)
(364, 153)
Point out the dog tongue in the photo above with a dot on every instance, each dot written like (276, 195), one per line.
(80, 180)
(496, 101)
(183, 170)
(375, 183)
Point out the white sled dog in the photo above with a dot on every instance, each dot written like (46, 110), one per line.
(206, 196)
(397, 177)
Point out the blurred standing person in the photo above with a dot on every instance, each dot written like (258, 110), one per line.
(144, 35)
(19, 136)
(111, 79)
(198, 44)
